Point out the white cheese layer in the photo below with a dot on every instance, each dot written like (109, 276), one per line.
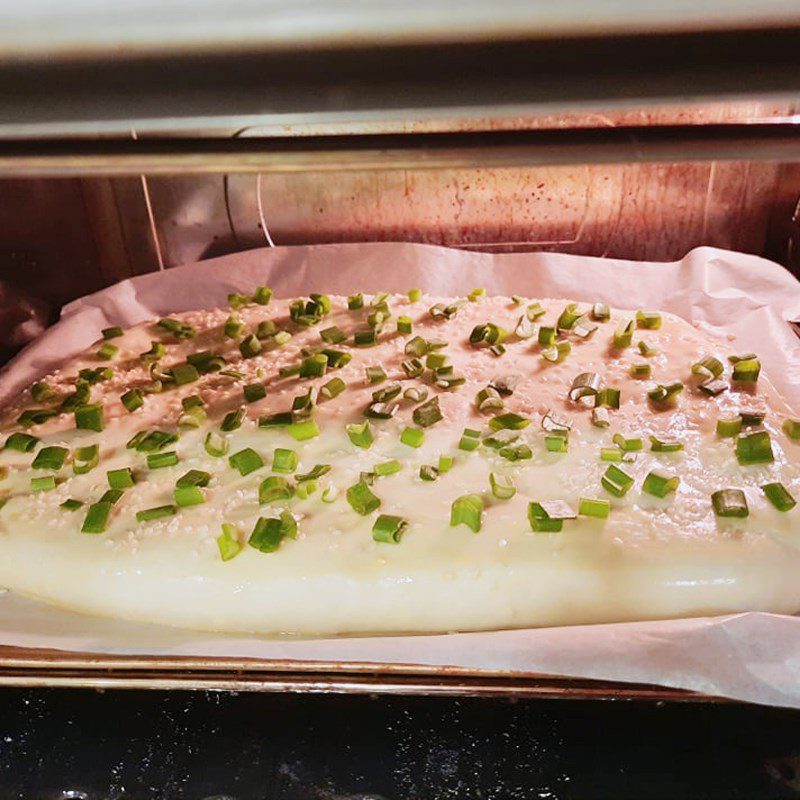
(652, 558)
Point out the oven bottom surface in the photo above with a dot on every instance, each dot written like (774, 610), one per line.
(70, 744)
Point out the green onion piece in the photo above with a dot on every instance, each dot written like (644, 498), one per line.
(237, 300)
(502, 486)
(747, 370)
(267, 329)
(534, 311)
(387, 468)
(754, 448)
(161, 460)
(43, 484)
(188, 496)
(92, 376)
(151, 441)
(156, 352)
(713, 387)
(428, 413)
(589, 507)
(648, 319)
(616, 481)
(646, 350)
(428, 473)
(112, 333)
(525, 329)
(42, 392)
(779, 496)
(194, 477)
(404, 324)
(333, 388)
(445, 464)
(205, 361)
(50, 458)
(120, 478)
(791, 427)
(488, 399)
(361, 498)
(184, 373)
(497, 350)
(752, 416)
(112, 496)
(436, 360)
(337, 358)
(556, 441)
(476, 294)
(97, 517)
(386, 393)
(501, 438)
(413, 437)
(546, 336)
(665, 445)
(215, 445)
(413, 367)
(132, 399)
(360, 434)
(314, 366)
(467, 510)
(262, 295)
(368, 338)
(505, 384)
(728, 427)
(333, 335)
(306, 489)
(568, 317)
(180, 330)
(281, 337)
(375, 374)
(355, 301)
(253, 392)
(381, 410)
(193, 418)
(623, 336)
(273, 489)
(233, 420)
(250, 346)
(228, 542)
(284, 460)
(600, 418)
(540, 519)
(21, 442)
(624, 444)
(470, 440)
(730, 503)
(665, 396)
(300, 431)
(234, 327)
(246, 461)
(317, 472)
(518, 452)
(509, 421)
(159, 512)
(660, 484)
(601, 312)
(89, 417)
(416, 347)
(557, 352)
(640, 370)
(610, 454)
(71, 505)
(414, 295)
(287, 372)
(388, 528)
(78, 398)
(708, 367)
(267, 534)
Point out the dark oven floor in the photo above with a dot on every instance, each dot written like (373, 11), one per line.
(71, 743)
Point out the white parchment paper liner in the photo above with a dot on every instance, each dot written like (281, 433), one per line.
(753, 657)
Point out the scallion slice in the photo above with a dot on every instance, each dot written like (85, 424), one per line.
(568, 317)
(284, 460)
(300, 431)
(215, 445)
(413, 437)
(517, 452)
(610, 454)
(428, 413)
(601, 312)
(360, 434)
(779, 496)
(623, 336)
(501, 438)
(233, 420)
(98, 375)
(50, 458)
(333, 388)
(21, 442)
(552, 422)
(658, 445)
(708, 367)
(728, 427)
(600, 418)
(416, 394)
(159, 512)
(205, 361)
(237, 300)
(645, 349)
(262, 295)
(253, 392)
(333, 335)
(273, 489)
(89, 417)
(445, 464)
(730, 503)
(557, 352)
(132, 399)
(587, 384)
(246, 461)
(713, 387)
(549, 516)
(71, 504)
(314, 366)
(625, 444)
(534, 311)
(194, 477)
(387, 393)
(650, 320)
(665, 396)
(546, 336)
(470, 440)
(640, 370)
(509, 421)
(414, 295)
(375, 373)
(267, 534)
(42, 392)
(188, 496)
(281, 419)
(97, 516)
(615, 481)
(233, 327)
(43, 484)
(467, 510)
(361, 499)
(404, 324)
(161, 460)
(365, 338)
(557, 442)
(355, 301)
(525, 329)
(791, 427)
(589, 507)
(660, 484)
(747, 370)
(754, 448)
(112, 333)
(388, 528)
(120, 478)
(228, 542)
(428, 473)
(502, 486)
(180, 330)
(250, 346)
(488, 399)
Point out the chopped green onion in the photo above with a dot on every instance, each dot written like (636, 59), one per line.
(589, 507)
(467, 510)
(754, 448)
(112, 496)
(658, 445)
(540, 519)
(237, 300)
(156, 352)
(648, 319)
(646, 350)
(386, 393)
(43, 484)
(281, 337)
(616, 481)
(273, 489)
(791, 427)
(21, 442)
(233, 420)
(476, 294)
(641, 370)
(587, 384)
(194, 477)
(361, 498)
(497, 350)
(360, 434)
(368, 338)
(205, 361)
(665, 396)
(779, 496)
(660, 484)
(708, 367)
(489, 334)
(50, 458)
(97, 517)
(534, 311)
(150, 442)
(428, 413)
(556, 441)
(317, 472)
(752, 416)
(488, 399)
(388, 528)
(414, 295)
(300, 431)
(525, 329)
(262, 295)
(314, 366)
(92, 376)
(215, 445)
(355, 301)
(502, 486)
(552, 422)
(387, 468)
(713, 387)
(518, 452)
(266, 329)
(305, 489)
(132, 399)
(728, 427)
(730, 503)
(112, 333)
(557, 352)
(568, 317)
(436, 360)
(282, 419)
(228, 542)
(193, 418)
(180, 330)
(404, 324)
(501, 438)
(747, 370)
(624, 444)
(253, 392)
(70, 504)
(234, 327)
(375, 374)
(184, 373)
(623, 336)
(120, 478)
(89, 417)
(161, 460)
(41, 392)
(188, 496)
(333, 388)
(246, 461)
(509, 421)
(413, 437)
(416, 347)
(250, 346)
(449, 381)
(428, 473)
(267, 534)
(333, 335)
(610, 454)
(445, 464)
(413, 367)
(546, 336)
(284, 460)
(470, 440)
(159, 512)
(601, 312)
(600, 418)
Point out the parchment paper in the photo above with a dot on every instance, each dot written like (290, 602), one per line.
(753, 657)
